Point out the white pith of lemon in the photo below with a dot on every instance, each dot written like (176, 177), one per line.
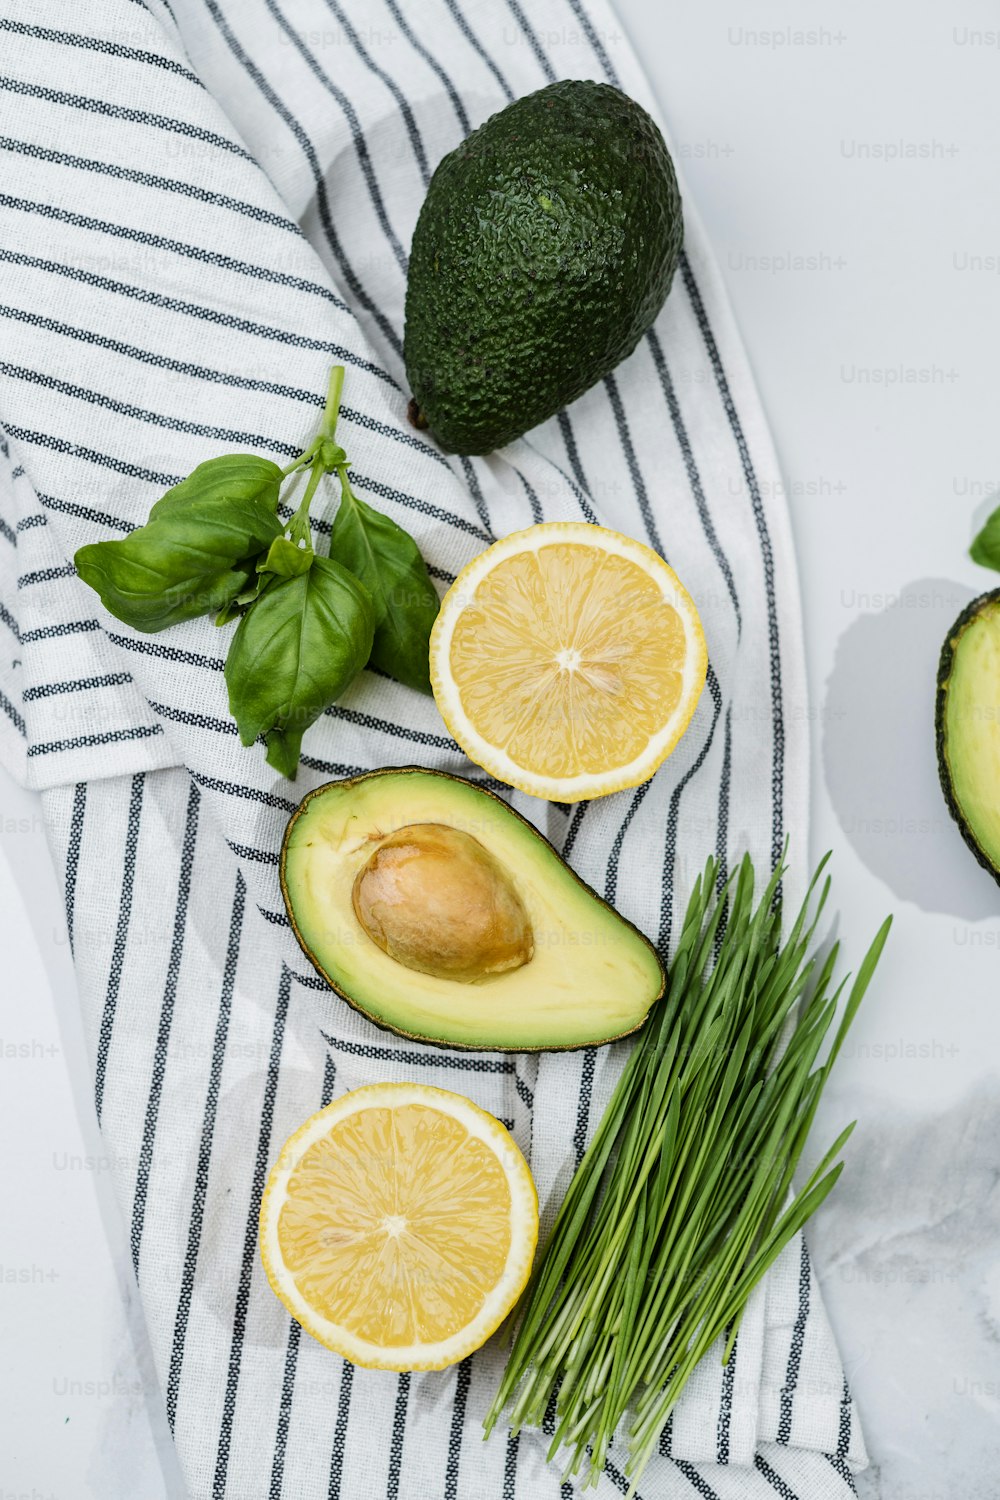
(567, 660)
(398, 1226)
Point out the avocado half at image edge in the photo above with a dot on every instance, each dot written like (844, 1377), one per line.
(441, 914)
(544, 250)
(967, 724)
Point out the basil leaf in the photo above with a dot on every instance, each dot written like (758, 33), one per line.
(985, 550)
(389, 564)
(197, 551)
(293, 653)
(231, 476)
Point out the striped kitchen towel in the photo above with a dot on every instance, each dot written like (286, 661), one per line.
(204, 204)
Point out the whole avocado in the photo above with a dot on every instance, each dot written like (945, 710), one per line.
(543, 252)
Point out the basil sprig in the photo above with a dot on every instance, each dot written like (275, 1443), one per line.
(307, 624)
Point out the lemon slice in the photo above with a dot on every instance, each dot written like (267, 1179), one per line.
(398, 1226)
(567, 660)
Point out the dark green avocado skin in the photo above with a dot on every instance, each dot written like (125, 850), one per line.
(543, 252)
(951, 645)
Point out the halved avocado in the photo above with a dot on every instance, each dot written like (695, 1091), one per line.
(967, 721)
(441, 914)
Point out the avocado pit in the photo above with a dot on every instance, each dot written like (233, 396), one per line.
(436, 900)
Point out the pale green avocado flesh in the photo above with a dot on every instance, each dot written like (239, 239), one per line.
(970, 729)
(591, 976)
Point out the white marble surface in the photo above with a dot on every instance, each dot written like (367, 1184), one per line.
(866, 284)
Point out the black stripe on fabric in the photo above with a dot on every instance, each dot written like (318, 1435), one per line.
(91, 455)
(533, 501)
(475, 490)
(250, 793)
(773, 1478)
(193, 720)
(697, 1481)
(208, 1118)
(767, 555)
(149, 179)
(844, 1433)
(619, 1480)
(10, 622)
(673, 818)
(15, 718)
(45, 575)
(724, 1422)
(586, 509)
(256, 856)
(73, 855)
(16, 474)
(611, 877)
(691, 467)
(143, 414)
(161, 1049)
(837, 1463)
(794, 1351)
(583, 1103)
(354, 126)
(340, 1432)
(193, 310)
(574, 828)
(84, 741)
(177, 247)
(32, 522)
(319, 181)
(293, 1343)
(276, 919)
(524, 1092)
(398, 1437)
(509, 1491)
(540, 56)
(406, 113)
(665, 1447)
(313, 982)
(7, 532)
(596, 45)
(102, 45)
(635, 473)
(284, 1409)
(85, 513)
(365, 483)
(250, 1238)
(572, 451)
(168, 653)
(78, 685)
(432, 1058)
(122, 112)
(55, 632)
(121, 935)
(432, 63)
(478, 48)
(369, 721)
(722, 833)
(452, 1466)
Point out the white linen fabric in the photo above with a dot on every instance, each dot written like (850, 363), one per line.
(204, 204)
